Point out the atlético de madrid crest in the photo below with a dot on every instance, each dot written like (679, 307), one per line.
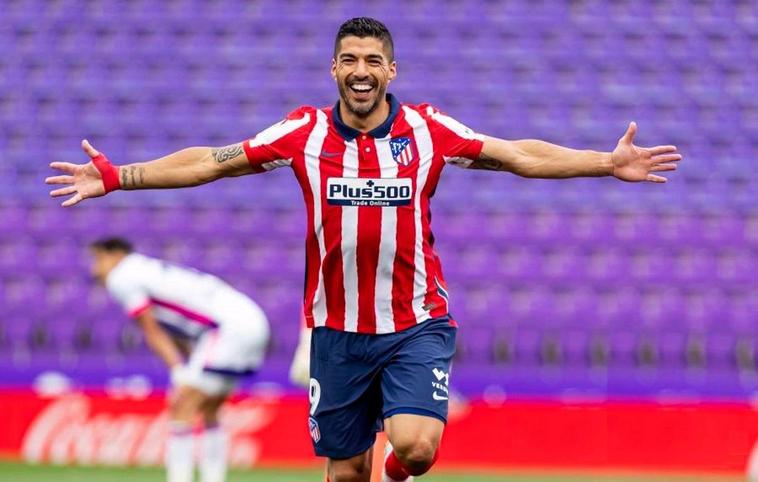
(403, 151)
(313, 428)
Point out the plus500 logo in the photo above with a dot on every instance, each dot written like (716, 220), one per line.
(344, 191)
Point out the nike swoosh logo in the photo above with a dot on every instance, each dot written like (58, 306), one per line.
(437, 396)
(330, 154)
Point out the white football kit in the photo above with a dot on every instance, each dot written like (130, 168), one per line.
(228, 330)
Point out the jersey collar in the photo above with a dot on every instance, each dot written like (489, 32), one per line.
(383, 130)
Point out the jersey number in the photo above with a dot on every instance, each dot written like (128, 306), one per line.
(314, 395)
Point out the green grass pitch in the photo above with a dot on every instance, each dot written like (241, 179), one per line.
(17, 472)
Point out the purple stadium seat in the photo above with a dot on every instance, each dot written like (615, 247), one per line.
(17, 332)
(527, 348)
(576, 348)
(623, 349)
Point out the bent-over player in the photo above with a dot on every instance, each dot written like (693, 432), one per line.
(225, 331)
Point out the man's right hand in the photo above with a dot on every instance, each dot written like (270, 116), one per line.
(82, 180)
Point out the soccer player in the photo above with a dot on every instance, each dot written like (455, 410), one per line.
(374, 291)
(224, 331)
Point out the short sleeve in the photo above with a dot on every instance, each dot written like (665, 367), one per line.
(128, 292)
(459, 145)
(277, 145)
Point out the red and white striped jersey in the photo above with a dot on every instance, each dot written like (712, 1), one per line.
(370, 262)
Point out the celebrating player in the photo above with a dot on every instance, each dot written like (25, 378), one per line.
(225, 331)
(374, 291)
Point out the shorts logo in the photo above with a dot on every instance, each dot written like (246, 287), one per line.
(350, 191)
(437, 396)
(402, 150)
(441, 375)
(314, 430)
(440, 385)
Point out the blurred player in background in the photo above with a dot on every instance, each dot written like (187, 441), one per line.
(208, 333)
(300, 369)
(383, 338)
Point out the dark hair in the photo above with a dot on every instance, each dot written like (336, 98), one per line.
(363, 27)
(112, 245)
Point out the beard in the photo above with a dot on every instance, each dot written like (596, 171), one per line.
(361, 109)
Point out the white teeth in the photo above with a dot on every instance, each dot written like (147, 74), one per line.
(361, 87)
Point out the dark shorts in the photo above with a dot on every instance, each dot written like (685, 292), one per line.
(358, 380)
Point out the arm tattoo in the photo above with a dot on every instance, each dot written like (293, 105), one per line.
(223, 154)
(130, 176)
(487, 163)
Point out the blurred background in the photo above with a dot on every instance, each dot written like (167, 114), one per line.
(572, 292)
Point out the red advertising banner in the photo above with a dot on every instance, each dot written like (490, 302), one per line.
(614, 435)
(93, 428)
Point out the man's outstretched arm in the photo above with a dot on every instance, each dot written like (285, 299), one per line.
(539, 159)
(189, 167)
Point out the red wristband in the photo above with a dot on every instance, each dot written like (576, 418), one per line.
(108, 171)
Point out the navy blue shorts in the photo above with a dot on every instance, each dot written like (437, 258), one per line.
(358, 380)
